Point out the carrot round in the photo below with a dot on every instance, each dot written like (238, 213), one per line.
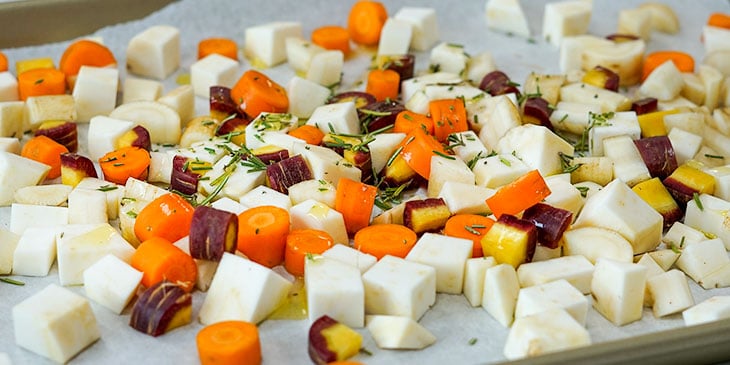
(262, 233)
(158, 259)
(300, 243)
(383, 84)
(222, 46)
(355, 201)
(41, 81)
(528, 190)
(449, 116)
(385, 239)
(683, 61)
(407, 120)
(365, 21)
(308, 133)
(126, 162)
(84, 53)
(332, 37)
(719, 20)
(3, 62)
(169, 216)
(45, 150)
(229, 343)
(256, 93)
(469, 226)
(417, 149)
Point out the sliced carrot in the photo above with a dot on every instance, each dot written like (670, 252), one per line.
(4, 66)
(449, 116)
(222, 46)
(407, 120)
(385, 239)
(126, 162)
(158, 259)
(169, 216)
(308, 133)
(528, 190)
(355, 201)
(683, 61)
(229, 343)
(417, 149)
(383, 84)
(262, 233)
(719, 20)
(365, 21)
(300, 243)
(45, 150)
(256, 93)
(332, 37)
(84, 53)
(469, 226)
(41, 81)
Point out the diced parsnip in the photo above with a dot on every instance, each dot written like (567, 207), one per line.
(135, 88)
(17, 172)
(610, 125)
(548, 86)
(382, 147)
(710, 310)
(628, 166)
(39, 109)
(507, 16)
(597, 169)
(212, 70)
(419, 101)
(447, 169)
(664, 83)
(572, 48)
(719, 278)
(299, 53)
(596, 242)
(652, 269)
(722, 181)
(665, 258)
(104, 133)
(162, 122)
(588, 94)
(563, 195)
(475, 272)
(537, 146)
(715, 38)
(545, 332)
(447, 255)
(78, 248)
(11, 118)
(87, 206)
(677, 103)
(424, 24)
(395, 286)
(395, 37)
(707, 214)
(413, 85)
(670, 292)
(702, 258)
(327, 165)
(693, 89)
(499, 116)
(466, 145)
(573, 117)
(305, 96)
(685, 144)
(266, 124)
(636, 21)
(663, 17)
(498, 170)
(463, 198)
(449, 57)
(577, 270)
(334, 289)
(552, 295)
(339, 118)
(111, 282)
(7, 249)
(623, 58)
(326, 68)
(618, 290)
(43, 323)
(35, 252)
(479, 65)
(344, 253)
(712, 80)
(95, 91)
(8, 87)
(206, 268)
(313, 214)
(689, 121)
(398, 332)
(565, 18)
(155, 52)
(319, 190)
(182, 100)
(242, 290)
(501, 289)
(265, 44)
(24, 216)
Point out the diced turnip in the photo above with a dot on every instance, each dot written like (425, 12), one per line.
(155, 52)
(111, 282)
(712, 80)
(319, 190)
(398, 332)
(327, 165)
(693, 88)
(135, 88)
(24, 216)
(664, 83)
(76, 251)
(266, 43)
(447, 169)
(576, 269)
(17, 172)
(670, 292)
(104, 133)
(501, 289)
(545, 332)
(8, 87)
(395, 286)
(618, 290)
(35, 252)
(39, 109)
(563, 195)
(299, 53)
(112, 192)
(447, 255)
(395, 37)
(424, 24)
(475, 272)
(95, 91)
(565, 18)
(479, 65)
(334, 289)
(465, 198)
(707, 214)
(87, 206)
(206, 268)
(609, 101)
(313, 214)
(344, 253)
(507, 16)
(611, 125)
(685, 144)
(665, 258)
(628, 165)
(11, 118)
(689, 121)
(498, 170)
(652, 269)
(212, 70)
(552, 295)
(636, 21)
(263, 195)
(596, 242)
(182, 100)
(536, 146)
(710, 310)
(702, 258)
(449, 57)
(410, 86)
(8, 243)
(305, 96)
(326, 68)
(499, 116)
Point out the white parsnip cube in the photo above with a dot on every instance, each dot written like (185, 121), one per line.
(299, 53)
(10, 144)
(79, 247)
(242, 290)
(552, 295)
(572, 48)
(670, 293)
(326, 68)
(537, 147)
(565, 18)
(420, 100)
(17, 172)
(506, 16)
(636, 21)
(182, 100)
(702, 258)
(576, 269)
(462, 198)
(229, 205)
(545, 332)
(712, 80)
(63, 319)
(618, 208)
(111, 282)
(449, 57)
(411, 86)
(382, 147)
(497, 116)
(240, 182)
(424, 24)
(467, 145)
(305, 96)
(95, 91)
(618, 290)
(664, 258)
(652, 269)
(206, 268)
(628, 165)
(597, 242)
(327, 165)
(689, 121)
(319, 190)
(257, 132)
(447, 255)
(348, 255)
(495, 171)
(160, 170)
(608, 100)
(8, 87)
(340, 118)
(212, 70)
(8, 243)
(39, 109)
(722, 181)
(611, 125)
(155, 52)
(710, 310)
(709, 217)
(398, 332)
(264, 195)
(135, 88)
(475, 272)
(395, 37)
(573, 117)
(87, 206)
(334, 289)
(693, 89)
(685, 144)
(313, 214)
(24, 216)
(395, 286)
(479, 65)
(445, 169)
(501, 289)
(681, 235)
(11, 118)
(664, 83)
(35, 252)
(265, 44)
(563, 194)
(112, 192)
(104, 133)
(715, 38)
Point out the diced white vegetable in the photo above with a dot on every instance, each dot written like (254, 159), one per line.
(676, 103)
(475, 272)
(652, 269)
(420, 100)
(344, 253)
(39, 109)
(545, 332)
(50, 194)
(664, 258)
(447, 255)
(445, 170)
(563, 194)
(596, 242)
(636, 21)
(8, 243)
(78, 251)
(398, 332)
(264, 195)
(618, 208)
(160, 170)
(681, 235)
(35, 252)
(382, 147)
(693, 88)
(623, 58)
(468, 145)
(8, 87)
(712, 80)
(462, 198)
(229, 205)
(411, 86)
(340, 118)
(95, 91)
(628, 165)
(11, 118)
(113, 193)
(319, 190)
(618, 290)
(424, 24)
(543, 253)
(182, 100)
(206, 268)
(670, 292)
(240, 182)
(501, 289)
(495, 171)
(565, 18)
(266, 124)
(722, 181)
(606, 126)
(395, 37)
(87, 206)
(664, 83)
(55, 323)
(449, 57)
(135, 88)
(313, 214)
(552, 295)
(710, 310)
(506, 16)
(715, 38)
(327, 165)
(499, 115)
(395, 286)
(210, 151)
(212, 70)
(573, 47)
(104, 133)
(690, 122)
(663, 17)
(709, 217)
(155, 52)
(588, 94)
(299, 53)
(577, 270)
(242, 290)
(111, 282)
(24, 216)
(537, 146)
(685, 144)
(334, 289)
(702, 258)
(305, 96)
(326, 68)
(161, 121)
(265, 44)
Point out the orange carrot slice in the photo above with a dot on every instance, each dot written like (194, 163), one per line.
(308, 133)
(355, 201)
(719, 20)
(528, 190)
(449, 116)
(332, 37)
(300, 243)
(84, 53)
(469, 226)
(126, 162)
(3, 62)
(169, 217)
(158, 259)
(47, 151)
(365, 21)
(222, 46)
(41, 81)
(229, 343)
(383, 84)
(683, 61)
(262, 233)
(256, 93)
(407, 120)
(385, 239)
(417, 149)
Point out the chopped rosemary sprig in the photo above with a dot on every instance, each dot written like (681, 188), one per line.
(389, 196)
(696, 198)
(12, 281)
(449, 157)
(583, 190)
(566, 163)
(108, 187)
